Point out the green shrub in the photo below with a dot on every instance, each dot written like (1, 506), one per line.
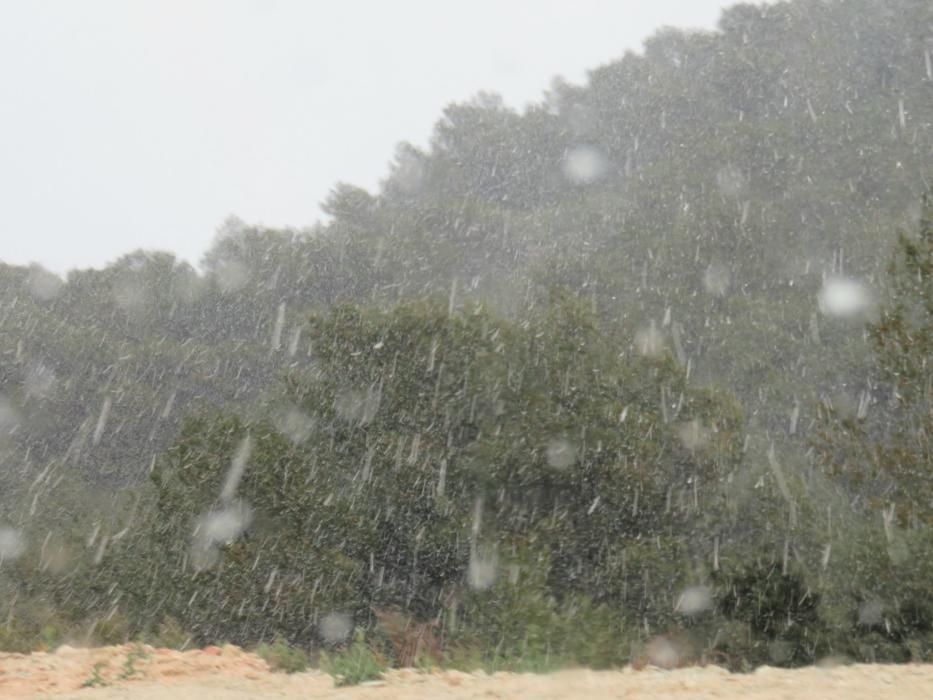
(354, 665)
(32, 626)
(781, 613)
(517, 625)
(282, 657)
(14, 638)
(129, 670)
(50, 636)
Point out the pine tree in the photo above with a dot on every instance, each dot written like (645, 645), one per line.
(888, 452)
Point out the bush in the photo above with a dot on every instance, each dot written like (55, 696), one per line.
(433, 431)
(518, 625)
(354, 665)
(779, 610)
(282, 657)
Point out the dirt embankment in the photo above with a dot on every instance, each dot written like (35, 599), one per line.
(229, 673)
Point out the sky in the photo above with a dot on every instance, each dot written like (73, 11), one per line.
(128, 124)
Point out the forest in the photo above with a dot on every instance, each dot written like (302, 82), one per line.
(649, 357)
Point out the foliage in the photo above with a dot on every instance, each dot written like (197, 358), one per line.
(888, 452)
(129, 670)
(440, 442)
(282, 657)
(96, 680)
(355, 664)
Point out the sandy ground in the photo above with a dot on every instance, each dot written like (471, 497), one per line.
(229, 673)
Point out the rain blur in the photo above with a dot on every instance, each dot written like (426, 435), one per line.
(641, 373)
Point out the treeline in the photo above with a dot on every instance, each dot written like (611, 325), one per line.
(565, 384)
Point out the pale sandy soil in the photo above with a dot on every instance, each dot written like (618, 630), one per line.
(232, 674)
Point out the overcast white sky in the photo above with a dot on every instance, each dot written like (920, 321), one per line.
(130, 124)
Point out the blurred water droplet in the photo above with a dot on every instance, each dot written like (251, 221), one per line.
(844, 298)
(12, 544)
(780, 652)
(231, 275)
(584, 165)
(730, 181)
(224, 526)
(898, 551)
(9, 416)
(293, 424)
(39, 381)
(204, 555)
(357, 406)
(55, 558)
(408, 174)
(215, 529)
(42, 284)
(481, 571)
(694, 600)
(663, 653)
(335, 627)
(716, 279)
(693, 434)
(130, 296)
(187, 286)
(560, 454)
(650, 341)
(833, 661)
(871, 612)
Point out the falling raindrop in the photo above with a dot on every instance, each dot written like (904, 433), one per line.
(237, 466)
(279, 326)
(101, 421)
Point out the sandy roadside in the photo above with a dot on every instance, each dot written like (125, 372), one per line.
(229, 673)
